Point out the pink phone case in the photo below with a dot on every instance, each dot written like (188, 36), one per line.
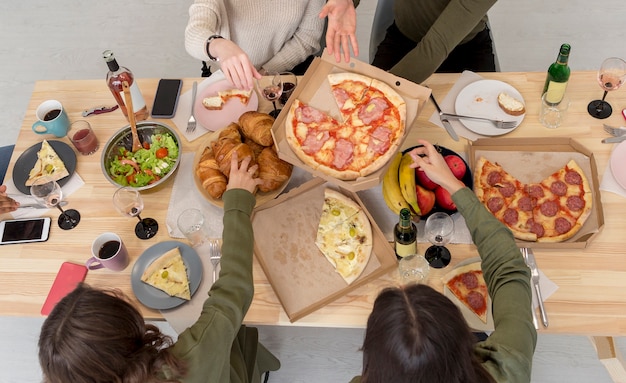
(68, 277)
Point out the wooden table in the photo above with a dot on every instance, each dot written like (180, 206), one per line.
(591, 298)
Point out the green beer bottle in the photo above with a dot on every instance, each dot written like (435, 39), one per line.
(558, 75)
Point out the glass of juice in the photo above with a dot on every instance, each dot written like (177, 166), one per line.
(83, 137)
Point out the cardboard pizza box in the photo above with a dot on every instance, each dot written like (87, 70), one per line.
(532, 160)
(314, 90)
(284, 244)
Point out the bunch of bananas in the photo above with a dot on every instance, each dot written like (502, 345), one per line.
(399, 185)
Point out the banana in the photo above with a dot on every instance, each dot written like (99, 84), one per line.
(391, 186)
(406, 176)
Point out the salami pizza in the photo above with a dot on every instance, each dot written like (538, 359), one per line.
(552, 210)
(468, 286)
(361, 140)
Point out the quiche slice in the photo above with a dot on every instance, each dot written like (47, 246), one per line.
(168, 273)
(48, 164)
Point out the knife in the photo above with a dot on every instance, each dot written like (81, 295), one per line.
(613, 140)
(532, 264)
(446, 124)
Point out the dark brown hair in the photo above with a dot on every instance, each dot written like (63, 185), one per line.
(415, 334)
(96, 336)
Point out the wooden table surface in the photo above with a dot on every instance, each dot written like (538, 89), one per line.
(590, 300)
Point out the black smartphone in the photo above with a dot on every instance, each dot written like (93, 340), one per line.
(24, 230)
(166, 98)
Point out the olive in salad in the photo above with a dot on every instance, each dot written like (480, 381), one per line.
(147, 165)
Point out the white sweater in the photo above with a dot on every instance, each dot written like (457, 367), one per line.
(276, 34)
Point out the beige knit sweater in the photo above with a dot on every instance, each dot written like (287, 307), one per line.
(276, 34)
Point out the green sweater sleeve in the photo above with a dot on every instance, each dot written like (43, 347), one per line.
(507, 353)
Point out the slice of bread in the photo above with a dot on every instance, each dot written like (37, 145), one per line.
(212, 103)
(510, 104)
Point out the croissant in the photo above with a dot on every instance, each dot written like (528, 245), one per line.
(231, 131)
(213, 180)
(223, 151)
(272, 170)
(257, 127)
(256, 148)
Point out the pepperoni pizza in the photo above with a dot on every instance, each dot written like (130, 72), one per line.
(468, 286)
(552, 210)
(368, 133)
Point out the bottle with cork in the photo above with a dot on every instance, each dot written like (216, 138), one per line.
(115, 77)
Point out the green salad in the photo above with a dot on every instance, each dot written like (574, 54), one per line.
(147, 165)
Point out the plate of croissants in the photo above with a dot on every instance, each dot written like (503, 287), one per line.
(250, 136)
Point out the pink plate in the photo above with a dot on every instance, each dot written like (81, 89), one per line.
(618, 164)
(230, 112)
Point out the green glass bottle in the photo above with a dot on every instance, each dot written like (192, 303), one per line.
(405, 235)
(558, 75)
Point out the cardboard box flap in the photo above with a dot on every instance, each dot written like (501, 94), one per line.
(302, 278)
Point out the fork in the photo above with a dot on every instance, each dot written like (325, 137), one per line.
(615, 131)
(214, 256)
(191, 124)
(497, 123)
(532, 309)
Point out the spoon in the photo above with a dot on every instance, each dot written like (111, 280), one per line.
(131, 116)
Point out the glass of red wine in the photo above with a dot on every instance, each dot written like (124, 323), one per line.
(290, 81)
(438, 229)
(48, 192)
(611, 76)
(128, 201)
(271, 87)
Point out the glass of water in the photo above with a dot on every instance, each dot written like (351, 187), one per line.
(413, 268)
(192, 224)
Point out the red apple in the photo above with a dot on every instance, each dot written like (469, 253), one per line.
(444, 200)
(456, 164)
(425, 199)
(423, 180)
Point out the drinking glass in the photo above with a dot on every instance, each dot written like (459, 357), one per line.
(128, 201)
(611, 75)
(290, 81)
(271, 87)
(48, 192)
(438, 230)
(413, 268)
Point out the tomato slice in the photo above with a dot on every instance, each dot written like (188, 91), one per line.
(161, 153)
(146, 145)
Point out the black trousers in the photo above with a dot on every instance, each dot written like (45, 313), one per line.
(475, 55)
(298, 70)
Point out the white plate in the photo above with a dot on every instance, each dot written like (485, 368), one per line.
(472, 320)
(230, 112)
(618, 164)
(480, 99)
(153, 297)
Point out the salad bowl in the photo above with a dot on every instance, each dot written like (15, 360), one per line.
(148, 167)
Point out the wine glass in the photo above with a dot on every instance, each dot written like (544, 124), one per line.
(48, 192)
(271, 87)
(438, 229)
(611, 75)
(290, 81)
(128, 201)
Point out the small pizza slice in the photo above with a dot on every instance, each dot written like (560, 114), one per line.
(168, 273)
(48, 164)
(468, 286)
(348, 90)
(241, 94)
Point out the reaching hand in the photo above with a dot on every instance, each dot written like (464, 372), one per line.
(240, 176)
(7, 204)
(431, 161)
(341, 31)
(235, 63)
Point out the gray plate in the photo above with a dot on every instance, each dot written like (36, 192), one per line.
(27, 159)
(153, 297)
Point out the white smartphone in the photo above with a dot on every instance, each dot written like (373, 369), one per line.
(24, 230)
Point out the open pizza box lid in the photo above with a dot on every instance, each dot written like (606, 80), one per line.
(314, 90)
(284, 243)
(532, 160)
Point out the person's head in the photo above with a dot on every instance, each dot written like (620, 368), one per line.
(96, 336)
(416, 334)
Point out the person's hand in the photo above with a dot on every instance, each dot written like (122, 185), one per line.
(7, 204)
(242, 177)
(235, 63)
(341, 31)
(432, 163)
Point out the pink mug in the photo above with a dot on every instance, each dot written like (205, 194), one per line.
(108, 251)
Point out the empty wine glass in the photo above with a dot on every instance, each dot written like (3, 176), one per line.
(128, 201)
(48, 192)
(271, 87)
(611, 75)
(438, 229)
(290, 81)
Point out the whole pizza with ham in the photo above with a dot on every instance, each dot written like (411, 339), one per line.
(367, 133)
(552, 210)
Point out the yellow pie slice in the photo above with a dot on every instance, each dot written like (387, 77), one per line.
(168, 273)
(48, 164)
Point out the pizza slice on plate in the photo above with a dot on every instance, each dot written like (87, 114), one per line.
(168, 273)
(48, 164)
(468, 286)
(344, 235)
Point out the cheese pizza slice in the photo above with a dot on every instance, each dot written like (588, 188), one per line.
(48, 164)
(168, 273)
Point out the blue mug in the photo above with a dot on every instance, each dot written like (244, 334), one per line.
(51, 119)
